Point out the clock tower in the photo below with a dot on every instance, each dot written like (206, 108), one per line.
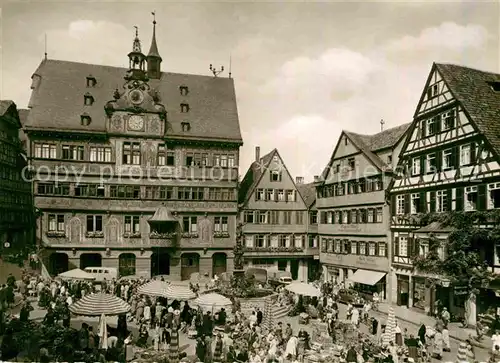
(136, 108)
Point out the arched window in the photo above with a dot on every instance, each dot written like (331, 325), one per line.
(126, 264)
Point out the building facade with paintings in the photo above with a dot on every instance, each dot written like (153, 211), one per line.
(353, 210)
(136, 168)
(16, 201)
(451, 163)
(279, 219)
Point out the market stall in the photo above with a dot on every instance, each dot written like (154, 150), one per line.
(179, 292)
(212, 302)
(154, 288)
(76, 274)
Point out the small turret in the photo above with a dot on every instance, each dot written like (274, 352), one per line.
(154, 58)
(137, 60)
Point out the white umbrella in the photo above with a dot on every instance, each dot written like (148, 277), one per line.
(301, 288)
(76, 274)
(179, 292)
(212, 301)
(154, 288)
(98, 304)
(103, 333)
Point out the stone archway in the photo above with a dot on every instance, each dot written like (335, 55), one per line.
(90, 260)
(190, 263)
(126, 264)
(219, 263)
(160, 262)
(58, 262)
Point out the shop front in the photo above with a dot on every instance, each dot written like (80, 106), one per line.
(368, 282)
(403, 286)
(420, 295)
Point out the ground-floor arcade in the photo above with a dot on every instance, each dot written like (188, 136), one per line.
(174, 264)
(301, 269)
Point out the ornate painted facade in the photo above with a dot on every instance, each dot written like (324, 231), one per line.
(134, 168)
(353, 210)
(279, 219)
(450, 162)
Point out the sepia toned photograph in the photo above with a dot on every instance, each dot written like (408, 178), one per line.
(250, 181)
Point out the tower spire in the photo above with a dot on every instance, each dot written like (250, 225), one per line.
(154, 58)
(136, 48)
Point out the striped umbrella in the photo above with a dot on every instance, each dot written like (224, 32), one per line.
(268, 315)
(390, 328)
(174, 346)
(212, 301)
(154, 288)
(179, 292)
(462, 353)
(98, 304)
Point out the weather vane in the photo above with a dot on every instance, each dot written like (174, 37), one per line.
(154, 16)
(215, 71)
(382, 123)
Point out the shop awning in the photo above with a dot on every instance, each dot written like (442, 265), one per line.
(366, 277)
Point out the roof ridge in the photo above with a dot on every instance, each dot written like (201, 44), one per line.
(465, 67)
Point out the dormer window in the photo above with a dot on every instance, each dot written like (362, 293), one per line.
(88, 99)
(495, 85)
(186, 126)
(184, 90)
(184, 107)
(91, 81)
(85, 119)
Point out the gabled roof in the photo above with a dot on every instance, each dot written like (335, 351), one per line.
(254, 174)
(370, 144)
(473, 89)
(57, 100)
(5, 106)
(308, 193)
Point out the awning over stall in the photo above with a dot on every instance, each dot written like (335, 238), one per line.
(367, 277)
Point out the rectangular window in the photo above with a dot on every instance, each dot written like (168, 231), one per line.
(362, 248)
(231, 161)
(415, 166)
(415, 203)
(132, 224)
(269, 194)
(220, 224)
(190, 224)
(354, 248)
(46, 151)
(73, 152)
(299, 217)
(274, 216)
(448, 159)
(441, 201)
(345, 216)
(431, 126)
(125, 191)
(281, 195)
(400, 205)
(166, 193)
(290, 195)
(372, 249)
(223, 161)
(381, 249)
(100, 154)
(248, 216)
(313, 217)
(216, 159)
(56, 222)
(493, 196)
(465, 155)
(448, 119)
(263, 217)
(470, 199)
(370, 215)
(94, 223)
(261, 194)
(403, 246)
(287, 219)
(431, 165)
(131, 153)
(275, 176)
(362, 186)
(161, 156)
(379, 215)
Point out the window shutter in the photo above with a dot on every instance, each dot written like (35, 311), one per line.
(432, 202)
(437, 122)
(357, 248)
(439, 160)
(410, 246)
(481, 197)
(407, 203)
(275, 195)
(396, 246)
(347, 247)
(423, 129)
(448, 199)
(456, 157)
(295, 195)
(422, 164)
(349, 217)
(473, 152)
(386, 252)
(256, 194)
(423, 202)
(459, 199)
(377, 249)
(393, 206)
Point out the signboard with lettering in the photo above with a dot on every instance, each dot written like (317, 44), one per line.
(356, 261)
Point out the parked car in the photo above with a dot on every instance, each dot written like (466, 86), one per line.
(277, 277)
(101, 273)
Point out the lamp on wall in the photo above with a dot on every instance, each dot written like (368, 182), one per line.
(142, 251)
(108, 252)
(74, 251)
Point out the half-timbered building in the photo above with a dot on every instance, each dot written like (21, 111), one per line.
(353, 213)
(449, 162)
(136, 168)
(278, 217)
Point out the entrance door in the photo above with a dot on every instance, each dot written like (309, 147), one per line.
(294, 269)
(219, 263)
(58, 263)
(160, 263)
(90, 260)
(190, 263)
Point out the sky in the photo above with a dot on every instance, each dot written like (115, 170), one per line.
(303, 71)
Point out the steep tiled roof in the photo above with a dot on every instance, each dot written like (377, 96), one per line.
(57, 100)
(472, 88)
(4, 106)
(308, 193)
(253, 175)
(370, 144)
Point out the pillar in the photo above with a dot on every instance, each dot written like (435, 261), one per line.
(410, 291)
(326, 278)
(302, 275)
(287, 269)
(347, 280)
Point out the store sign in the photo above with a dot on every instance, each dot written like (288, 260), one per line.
(460, 290)
(350, 228)
(355, 261)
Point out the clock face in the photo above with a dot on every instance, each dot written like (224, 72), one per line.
(135, 123)
(136, 97)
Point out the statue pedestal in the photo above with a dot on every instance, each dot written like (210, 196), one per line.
(238, 273)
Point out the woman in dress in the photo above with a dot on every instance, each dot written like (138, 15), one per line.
(399, 335)
(438, 345)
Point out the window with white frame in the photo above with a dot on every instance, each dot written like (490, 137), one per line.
(329, 217)
(431, 165)
(354, 216)
(249, 241)
(46, 151)
(465, 155)
(441, 200)
(381, 249)
(100, 154)
(415, 203)
(190, 224)
(260, 241)
(263, 217)
(372, 249)
(220, 224)
(132, 224)
(261, 194)
(493, 196)
(269, 194)
(354, 247)
(423, 248)
(415, 166)
(379, 215)
(362, 248)
(275, 176)
(370, 215)
(447, 159)
(403, 246)
(431, 126)
(337, 246)
(470, 198)
(290, 195)
(400, 204)
(345, 216)
(448, 119)
(56, 222)
(281, 195)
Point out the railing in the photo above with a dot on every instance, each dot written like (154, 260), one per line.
(282, 250)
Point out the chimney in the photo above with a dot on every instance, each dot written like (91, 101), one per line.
(316, 178)
(257, 153)
(299, 180)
